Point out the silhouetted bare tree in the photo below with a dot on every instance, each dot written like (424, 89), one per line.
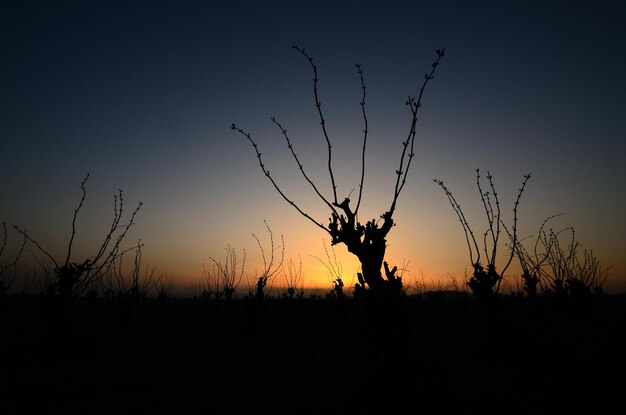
(485, 283)
(367, 241)
(222, 279)
(210, 284)
(558, 267)
(533, 262)
(74, 278)
(131, 288)
(293, 280)
(261, 288)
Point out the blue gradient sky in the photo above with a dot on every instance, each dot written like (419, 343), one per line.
(142, 96)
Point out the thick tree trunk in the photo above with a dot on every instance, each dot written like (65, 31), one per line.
(368, 243)
(371, 259)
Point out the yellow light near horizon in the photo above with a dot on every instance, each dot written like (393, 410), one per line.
(434, 245)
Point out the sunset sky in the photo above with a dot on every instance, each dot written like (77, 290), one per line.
(142, 95)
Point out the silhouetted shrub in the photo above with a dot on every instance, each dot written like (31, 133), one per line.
(485, 283)
(559, 268)
(73, 278)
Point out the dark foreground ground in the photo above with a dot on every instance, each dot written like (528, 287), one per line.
(435, 356)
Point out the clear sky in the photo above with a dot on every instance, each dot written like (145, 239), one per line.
(142, 94)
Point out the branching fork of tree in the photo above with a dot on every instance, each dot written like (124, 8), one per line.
(366, 241)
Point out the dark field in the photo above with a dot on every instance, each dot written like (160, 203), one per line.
(433, 356)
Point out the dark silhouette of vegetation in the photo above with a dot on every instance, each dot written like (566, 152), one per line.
(560, 269)
(334, 272)
(532, 262)
(73, 278)
(147, 363)
(38, 278)
(222, 279)
(210, 284)
(8, 267)
(336, 292)
(132, 288)
(485, 282)
(164, 287)
(294, 280)
(271, 269)
(294, 345)
(366, 241)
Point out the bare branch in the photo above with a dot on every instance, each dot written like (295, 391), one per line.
(225, 279)
(8, 265)
(332, 265)
(485, 278)
(466, 228)
(300, 166)
(268, 266)
(267, 174)
(34, 242)
(484, 197)
(496, 237)
(515, 207)
(365, 131)
(414, 105)
(164, 285)
(4, 238)
(80, 204)
(293, 279)
(103, 260)
(318, 105)
(73, 278)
